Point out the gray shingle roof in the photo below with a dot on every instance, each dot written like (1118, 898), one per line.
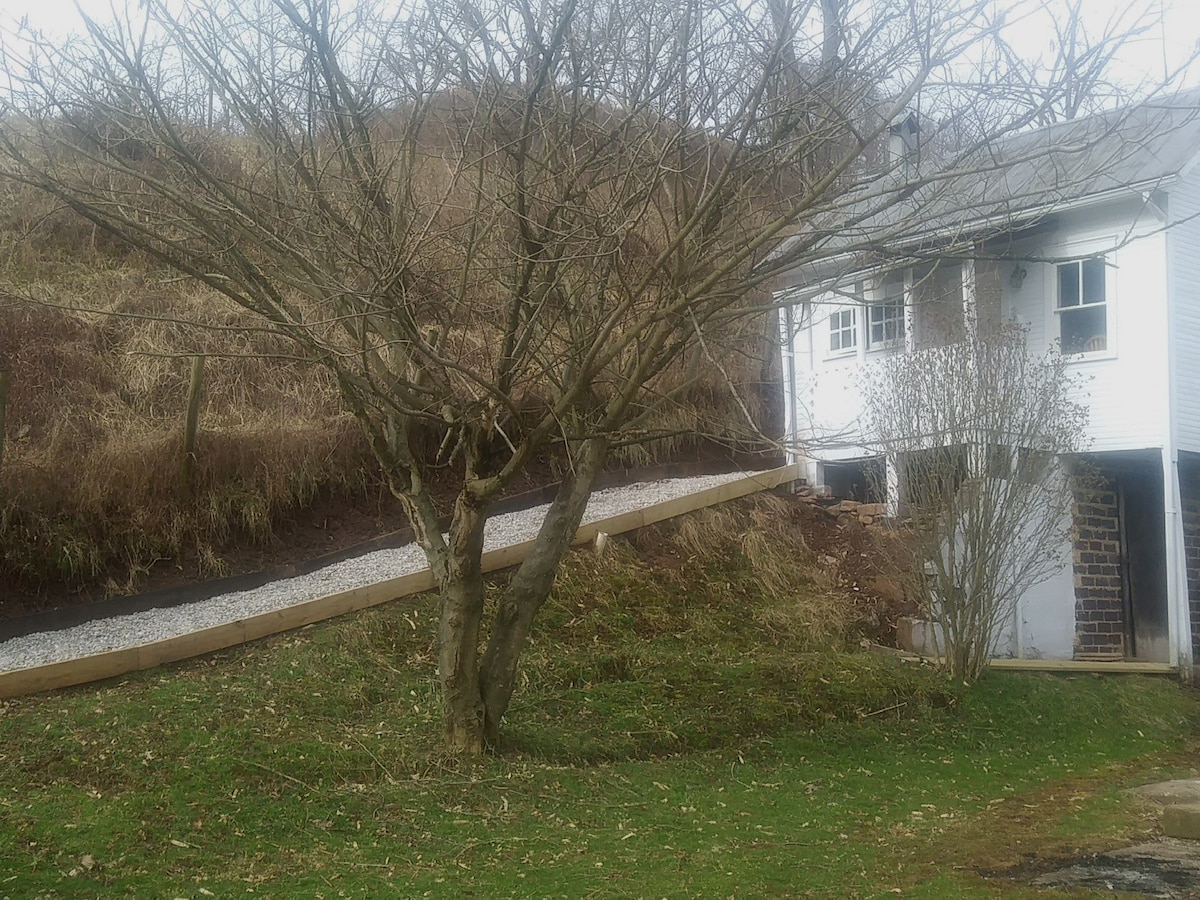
(1016, 180)
(1144, 144)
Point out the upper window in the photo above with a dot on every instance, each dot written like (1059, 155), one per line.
(885, 321)
(841, 331)
(1082, 306)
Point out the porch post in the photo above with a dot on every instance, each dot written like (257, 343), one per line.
(892, 477)
(970, 300)
(791, 430)
(1179, 631)
(910, 313)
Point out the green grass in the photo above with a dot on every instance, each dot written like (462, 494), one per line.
(679, 752)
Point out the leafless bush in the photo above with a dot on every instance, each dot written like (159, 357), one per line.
(980, 434)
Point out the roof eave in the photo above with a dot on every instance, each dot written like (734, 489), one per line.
(982, 225)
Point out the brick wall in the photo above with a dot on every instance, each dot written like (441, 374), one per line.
(1191, 549)
(1099, 607)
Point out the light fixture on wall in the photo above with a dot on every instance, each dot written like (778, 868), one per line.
(1017, 278)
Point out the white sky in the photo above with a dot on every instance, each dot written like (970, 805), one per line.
(1166, 46)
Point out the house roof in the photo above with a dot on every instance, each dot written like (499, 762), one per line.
(1013, 182)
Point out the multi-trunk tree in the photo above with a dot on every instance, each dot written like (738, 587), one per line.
(504, 226)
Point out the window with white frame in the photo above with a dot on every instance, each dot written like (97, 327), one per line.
(1082, 305)
(841, 331)
(885, 320)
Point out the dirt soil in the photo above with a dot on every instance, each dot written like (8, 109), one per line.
(867, 560)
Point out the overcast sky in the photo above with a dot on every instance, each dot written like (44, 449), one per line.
(1169, 43)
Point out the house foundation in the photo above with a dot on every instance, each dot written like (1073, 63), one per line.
(1189, 508)
(1099, 594)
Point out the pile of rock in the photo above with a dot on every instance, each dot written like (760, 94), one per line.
(844, 510)
(865, 513)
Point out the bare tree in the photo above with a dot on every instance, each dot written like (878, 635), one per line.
(504, 226)
(980, 435)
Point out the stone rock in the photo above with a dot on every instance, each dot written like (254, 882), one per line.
(872, 509)
(1182, 820)
(1160, 869)
(848, 506)
(1168, 793)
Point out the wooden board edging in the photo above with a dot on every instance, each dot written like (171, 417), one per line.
(1083, 665)
(110, 664)
(1064, 666)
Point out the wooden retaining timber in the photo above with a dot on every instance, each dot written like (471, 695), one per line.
(1064, 666)
(110, 664)
(186, 594)
(1115, 667)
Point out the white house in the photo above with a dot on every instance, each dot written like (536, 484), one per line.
(1087, 233)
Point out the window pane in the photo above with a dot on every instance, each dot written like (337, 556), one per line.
(885, 322)
(1068, 285)
(1093, 280)
(841, 330)
(1084, 330)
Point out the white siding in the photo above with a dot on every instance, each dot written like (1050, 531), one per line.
(1146, 381)
(827, 407)
(1183, 248)
(1126, 388)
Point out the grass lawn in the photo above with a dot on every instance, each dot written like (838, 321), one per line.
(673, 747)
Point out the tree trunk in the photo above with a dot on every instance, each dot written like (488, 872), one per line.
(832, 12)
(531, 586)
(3, 405)
(461, 581)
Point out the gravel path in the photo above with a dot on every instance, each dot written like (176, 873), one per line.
(156, 624)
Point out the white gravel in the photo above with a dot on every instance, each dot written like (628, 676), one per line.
(120, 632)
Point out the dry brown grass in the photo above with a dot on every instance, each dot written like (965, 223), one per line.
(91, 488)
(99, 341)
(800, 602)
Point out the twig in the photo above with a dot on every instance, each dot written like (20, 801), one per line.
(885, 709)
(257, 765)
(391, 778)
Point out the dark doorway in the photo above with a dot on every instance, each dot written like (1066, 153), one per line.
(863, 480)
(1144, 558)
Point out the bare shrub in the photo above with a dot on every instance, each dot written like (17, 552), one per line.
(980, 433)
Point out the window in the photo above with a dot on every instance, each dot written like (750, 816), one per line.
(885, 321)
(1082, 306)
(841, 331)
